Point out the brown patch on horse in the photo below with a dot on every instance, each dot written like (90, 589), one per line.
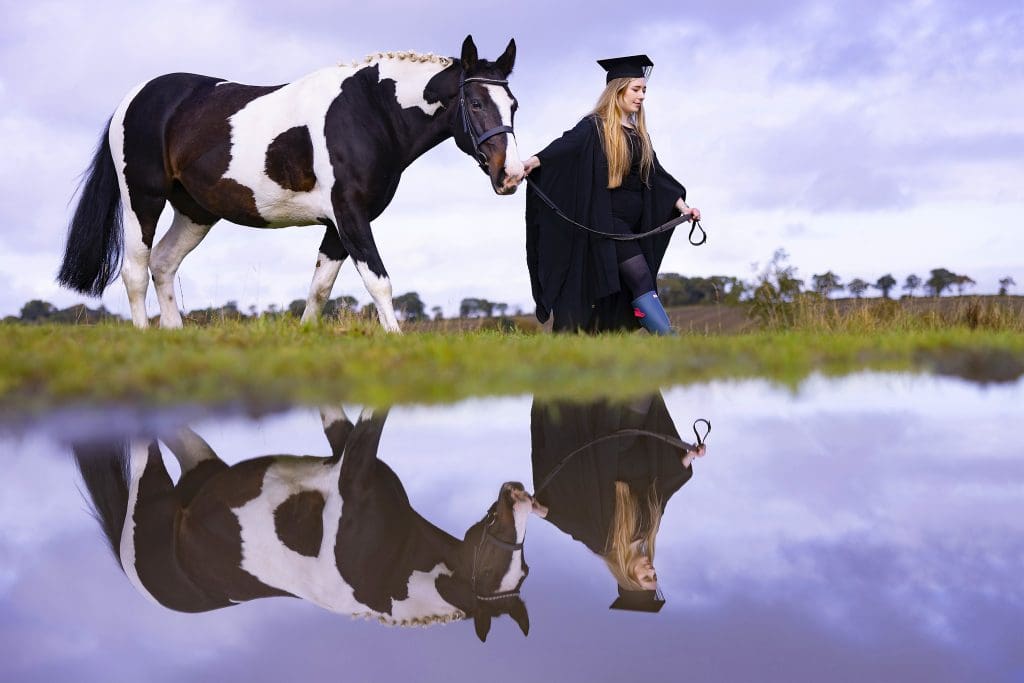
(290, 160)
(199, 155)
(210, 522)
(299, 522)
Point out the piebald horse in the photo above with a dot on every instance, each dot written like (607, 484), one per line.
(327, 149)
(339, 531)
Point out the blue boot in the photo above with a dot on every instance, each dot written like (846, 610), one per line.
(647, 307)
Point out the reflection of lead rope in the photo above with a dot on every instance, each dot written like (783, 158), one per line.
(622, 237)
(670, 440)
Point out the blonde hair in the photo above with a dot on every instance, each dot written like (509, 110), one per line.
(622, 549)
(609, 114)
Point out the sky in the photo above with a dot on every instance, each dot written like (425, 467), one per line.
(842, 531)
(862, 138)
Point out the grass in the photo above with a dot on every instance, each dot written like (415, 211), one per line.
(275, 362)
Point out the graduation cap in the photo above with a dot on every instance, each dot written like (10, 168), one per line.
(637, 66)
(638, 601)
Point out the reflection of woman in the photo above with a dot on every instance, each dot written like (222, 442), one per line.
(605, 473)
(603, 174)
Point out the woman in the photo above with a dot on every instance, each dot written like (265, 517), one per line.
(603, 473)
(603, 174)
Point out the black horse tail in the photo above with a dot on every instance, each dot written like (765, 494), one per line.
(104, 470)
(92, 256)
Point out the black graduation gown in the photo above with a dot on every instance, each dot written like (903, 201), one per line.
(575, 274)
(581, 496)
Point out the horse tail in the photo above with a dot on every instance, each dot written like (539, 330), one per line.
(104, 470)
(92, 256)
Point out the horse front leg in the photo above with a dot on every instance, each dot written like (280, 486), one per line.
(356, 238)
(328, 264)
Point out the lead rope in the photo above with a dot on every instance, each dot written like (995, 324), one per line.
(664, 227)
(670, 440)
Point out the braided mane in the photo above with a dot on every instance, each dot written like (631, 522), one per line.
(408, 55)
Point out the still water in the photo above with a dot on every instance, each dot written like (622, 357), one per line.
(867, 528)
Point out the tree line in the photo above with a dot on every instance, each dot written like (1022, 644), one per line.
(777, 281)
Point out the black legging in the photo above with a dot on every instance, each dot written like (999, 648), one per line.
(627, 210)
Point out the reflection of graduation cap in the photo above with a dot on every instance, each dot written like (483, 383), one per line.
(637, 66)
(638, 601)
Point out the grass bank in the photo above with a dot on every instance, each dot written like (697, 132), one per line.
(270, 363)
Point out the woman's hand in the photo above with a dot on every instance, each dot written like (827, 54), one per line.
(530, 164)
(691, 212)
(695, 452)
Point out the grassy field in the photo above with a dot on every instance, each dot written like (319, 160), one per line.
(274, 362)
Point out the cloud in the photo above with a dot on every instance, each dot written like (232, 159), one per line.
(771, 114)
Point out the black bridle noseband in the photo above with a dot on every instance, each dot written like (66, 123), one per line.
(487, 537)
(477, 139)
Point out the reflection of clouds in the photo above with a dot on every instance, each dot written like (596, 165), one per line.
(859, 502)
(872, 520)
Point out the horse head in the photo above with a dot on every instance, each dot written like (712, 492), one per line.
(484, 114)
(490, 567)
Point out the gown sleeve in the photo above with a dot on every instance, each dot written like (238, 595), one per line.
(571, 142)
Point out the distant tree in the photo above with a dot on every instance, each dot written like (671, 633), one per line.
(82, 314)
(885, 283)
(780, 277)
(857, 287)
(437, 312)
(296, 308)
(962, 281)
(1005, 284)
(500, 309)
(37, 310)
(912, 284)
(940, 280)
(677, 290)
(409, 306)
(826, 283)
(343, 304)
(472, 307)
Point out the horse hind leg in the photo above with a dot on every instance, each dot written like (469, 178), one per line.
(328, 263)
(142, 200)
(183, 236)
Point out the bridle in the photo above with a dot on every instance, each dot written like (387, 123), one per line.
(477, 139)
(487, 537)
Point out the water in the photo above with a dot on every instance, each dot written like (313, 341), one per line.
(867, 528)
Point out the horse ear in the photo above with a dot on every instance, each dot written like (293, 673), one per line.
(508, 58)
(482, 622)
(469, 55)
(518, 613)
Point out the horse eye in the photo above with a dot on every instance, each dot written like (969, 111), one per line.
(475, 104)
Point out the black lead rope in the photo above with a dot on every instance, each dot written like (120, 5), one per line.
(619, 433)
(664, 227)
(700, 439)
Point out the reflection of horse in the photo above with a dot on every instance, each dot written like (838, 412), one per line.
(337, 531)
(327, 149)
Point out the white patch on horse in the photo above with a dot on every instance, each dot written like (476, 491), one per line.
(410, 79)
(138, 452)
(513, 164)
(324, 276)
(380, 289)
(330, 415)
(316, 578)
(424, 601)
(301, 103)
(520, 513)
(135, 265)
(267, 558)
